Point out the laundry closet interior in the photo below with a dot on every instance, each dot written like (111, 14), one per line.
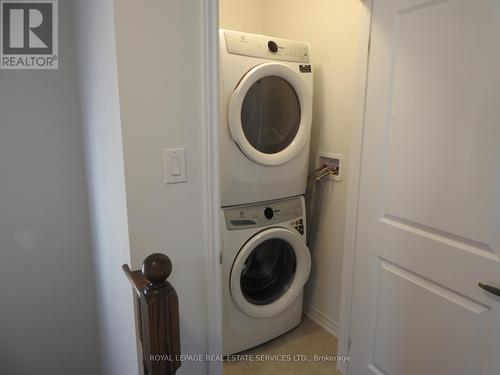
(284, 63)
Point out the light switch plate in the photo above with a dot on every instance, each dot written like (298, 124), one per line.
(174, 163)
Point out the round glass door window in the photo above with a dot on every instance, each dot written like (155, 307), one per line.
(270, 114)
(268, 271)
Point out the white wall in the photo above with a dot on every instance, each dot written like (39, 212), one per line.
(158, 68)
(48, 317)
(332, 27)
(242, 15)
(106, 182)
(160, 65)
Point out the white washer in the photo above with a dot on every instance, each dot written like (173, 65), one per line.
(265, 264)
(266, 99)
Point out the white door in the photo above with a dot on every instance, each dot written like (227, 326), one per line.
(429, 203)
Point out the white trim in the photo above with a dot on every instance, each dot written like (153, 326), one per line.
(235, 105)
(321, 319)
(353, 194)
(210, 97)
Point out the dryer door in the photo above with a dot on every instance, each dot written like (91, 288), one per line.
(270, 113)
(269, 272)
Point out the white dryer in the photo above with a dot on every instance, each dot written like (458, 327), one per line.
(265, 264)
(266, 99)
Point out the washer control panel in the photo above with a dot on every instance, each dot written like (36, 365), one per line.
(265, 214)
(265, 47)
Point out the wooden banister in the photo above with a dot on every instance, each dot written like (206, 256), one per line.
(158, 315)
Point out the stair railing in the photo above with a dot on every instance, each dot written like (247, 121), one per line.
(157, 315)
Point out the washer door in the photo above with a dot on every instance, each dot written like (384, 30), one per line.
(270, 114)
(269, 272)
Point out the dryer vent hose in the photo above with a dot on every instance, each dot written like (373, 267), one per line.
(313, 194)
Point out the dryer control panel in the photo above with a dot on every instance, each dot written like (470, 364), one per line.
(254, 45)
(265, 214)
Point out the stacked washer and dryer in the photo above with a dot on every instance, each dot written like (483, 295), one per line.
(266, 87)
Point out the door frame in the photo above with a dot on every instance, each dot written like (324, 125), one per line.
(355, 156)
(210, 99)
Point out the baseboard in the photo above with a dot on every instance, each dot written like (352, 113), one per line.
(322, 320)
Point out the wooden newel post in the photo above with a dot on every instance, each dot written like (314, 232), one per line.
(158, 315)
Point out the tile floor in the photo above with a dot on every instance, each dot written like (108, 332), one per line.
(308, 339)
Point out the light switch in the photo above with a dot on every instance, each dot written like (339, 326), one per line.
(175, 165)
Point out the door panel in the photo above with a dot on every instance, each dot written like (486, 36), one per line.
(405, 328)
(439, 148)
(429, 204)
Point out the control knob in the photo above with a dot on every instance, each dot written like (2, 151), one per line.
(268, 213)
(273, 47)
